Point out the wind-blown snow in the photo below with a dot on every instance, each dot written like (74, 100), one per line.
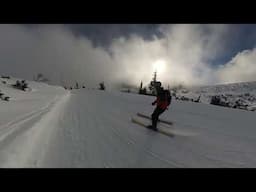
(92, 128)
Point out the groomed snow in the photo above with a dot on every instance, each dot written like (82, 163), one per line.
(92, 128)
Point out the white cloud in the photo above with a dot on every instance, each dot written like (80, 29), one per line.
(186, 49)
(241, 68)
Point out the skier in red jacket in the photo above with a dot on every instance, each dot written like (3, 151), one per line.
(163, 100)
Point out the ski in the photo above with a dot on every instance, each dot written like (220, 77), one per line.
(160, 120)
(159, 130)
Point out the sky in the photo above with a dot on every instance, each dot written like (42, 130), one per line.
(191, 54)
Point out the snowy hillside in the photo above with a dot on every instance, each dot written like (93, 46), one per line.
(24, 105)
(240, 95)
(52, 127)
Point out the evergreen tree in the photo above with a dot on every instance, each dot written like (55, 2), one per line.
(102, 86)
(140, 90)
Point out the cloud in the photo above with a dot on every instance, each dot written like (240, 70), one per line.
(241, 68)
(53, 51)
(63, 57)
(187, 50)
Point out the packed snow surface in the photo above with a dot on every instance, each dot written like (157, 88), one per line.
(48, 126)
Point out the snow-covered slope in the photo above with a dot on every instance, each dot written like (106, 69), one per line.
(25, 105)
(243, 93)
(92, 128)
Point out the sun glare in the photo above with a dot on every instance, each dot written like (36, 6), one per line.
(159, 66)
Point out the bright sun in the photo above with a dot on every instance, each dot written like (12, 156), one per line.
(159, 65)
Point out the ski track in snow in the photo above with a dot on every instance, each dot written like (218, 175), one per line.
(92, 128)
(20, 138)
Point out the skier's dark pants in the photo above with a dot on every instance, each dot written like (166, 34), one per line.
(155, 115)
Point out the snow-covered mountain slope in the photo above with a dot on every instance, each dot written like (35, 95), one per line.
(24, 105)
(92, 128)
(242, 93)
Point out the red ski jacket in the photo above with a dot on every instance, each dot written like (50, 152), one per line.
(161, 103)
